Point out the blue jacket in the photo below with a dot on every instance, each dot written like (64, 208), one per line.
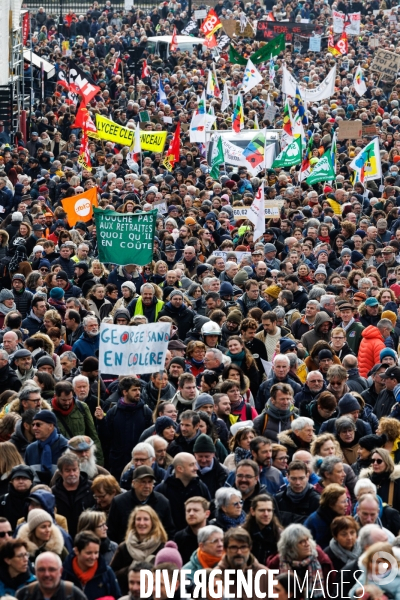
(86, 346)
(9, 585)
(67, 265)
(273, 483)
(104, 582)
(32, 324)
(33, 453)
(264, 391)
(261, 303)
(363, 428)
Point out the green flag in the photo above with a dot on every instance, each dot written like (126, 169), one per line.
(217, 158)
(274, 47)
(323, 170)
(290, 156)
(125, 239)
(235, 57)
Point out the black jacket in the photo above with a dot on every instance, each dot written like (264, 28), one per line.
(60, 594)
(12, 505)
(187, 543)
(9, 380)
(182, 317)
(180, 444)
(291, 512)
(215, 478)
(177, 494)
(264, 542)
(103, 583)
(19, 440)
(370, 395)
(71, 504)
(384, 404)
(122, 506)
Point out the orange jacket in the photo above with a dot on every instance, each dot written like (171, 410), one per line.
(371, 345)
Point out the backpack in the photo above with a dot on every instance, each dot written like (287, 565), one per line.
(67, 589)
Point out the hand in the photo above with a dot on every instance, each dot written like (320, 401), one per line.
(99, 413)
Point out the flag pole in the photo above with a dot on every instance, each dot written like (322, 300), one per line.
(98, 389)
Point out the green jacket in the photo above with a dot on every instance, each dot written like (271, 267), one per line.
(353, 336)
(193, 565)
(79, 422)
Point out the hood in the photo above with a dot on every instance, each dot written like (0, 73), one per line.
(55, 543)
(5, 238)
(48, 345)
(367, 473)
(121, 313)
(46, 500)
(372, 333)
(322, 317)
(286, 438)
(15, 406)
(362, 309)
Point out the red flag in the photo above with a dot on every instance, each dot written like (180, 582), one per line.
(145, 70)
(211, 23)
(174, 42)
(173, 149)
(25, 28)
(116, 66)
(83, 119)
(84, 155)
(210, 41)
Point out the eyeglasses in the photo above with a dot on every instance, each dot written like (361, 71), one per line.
(245, 478)
(44, 270)
(282, 458)
(102, 526)
(99, 497)
(335, 383)
(4, 533)
(22, 556)
(378, 461)
(238, 548)
(237, 504)
(315, 381)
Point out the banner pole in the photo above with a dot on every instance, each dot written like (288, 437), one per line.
(98, 389)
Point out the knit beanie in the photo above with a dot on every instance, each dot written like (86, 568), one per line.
(45, 360)
(348, 404)
(162, 423)
(226, 289)
(388, 314)
(325, 353)
(6, 295)
(320, 269)
(169, 554)
(273, 291)
(203, 399)
(387, 352)
(234, 316)
(356, 256)
(57, 293)
(240, 278)
(286, 344)
(178, 360)
(372, 441)
(130, 285)
(204, 444)
(36, 517)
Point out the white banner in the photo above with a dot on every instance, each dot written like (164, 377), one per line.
(239, 255)
(272, 208)
(349, 23)
(130, 350)
(324, 90)
(233, 154)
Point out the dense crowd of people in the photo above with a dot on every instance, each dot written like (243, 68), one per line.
(270, 440)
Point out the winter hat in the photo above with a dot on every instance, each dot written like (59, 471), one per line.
(396, 289)
(345, 251)
(175, 293)
(90, 364)
(45, 360)
(269, 248)
(17, 216)
(162, 423)
(387, 352)
(372, 441)
(44, 263)
(36, 517)
(226, 289)
(204, 443)
(169, 554)
(388, 314)
(392, 306)
(129, 285)
(356, 256)
(57, 293)
(6, 295)
(325, 353)
(37, 249)
(286, 344)
(122, 313)
(202, 269)
(19, 276)
(320, 269)
(211, 217)
(348, 404)
(235, 316)
(273, 291)
(240, 278)
(178, 360)
(371, 302)
(360, 296)
(62, 275)
(201, 400)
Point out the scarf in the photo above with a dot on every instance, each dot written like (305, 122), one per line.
(56, 408)
(84, 576)
(205, 470)
(249, 303)
(241, 454)
(277, 413)
(237, 359)
(234, 522)
(46, 460)
(343, 554)
(207, 561)
(141, 550)
(19, 256)
(297, 497)
(5, 310)
(314, 570)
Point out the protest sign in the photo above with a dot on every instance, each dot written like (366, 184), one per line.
(239, 255)
(272, 209)
(315, 43)
(149, 140)
(369, 130)
(200, 14)
(349, 130)
(161, 207)
(128, 350)
(386, 63)
(80, 207)
(125, 239)
(267, 30)
(229, 26)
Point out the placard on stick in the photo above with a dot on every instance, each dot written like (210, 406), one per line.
(349, 130)
(386, 63)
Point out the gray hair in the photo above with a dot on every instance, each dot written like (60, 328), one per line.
(3, 354)
(26, 391)
(46, 556)
(205, 532)
(314, 302)
(290, 537)
(365, 281)
(156, 438)
(144, 447)
(79, 378)
(75, 301)
(301, 422)
(279, 311)
(366, 537)
(385, 323)
(316, 293)
(224, 495)
(281, 357)
(292, 359)
(325, 299)
(217, 354)
(311, 373)
(146, 286)
(229, 264)
(89, 318)
(364, 484)
(344, 424)
(69, 355)
(328, 464)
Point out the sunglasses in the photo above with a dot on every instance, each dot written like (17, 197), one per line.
(4, 533)
(378, 461)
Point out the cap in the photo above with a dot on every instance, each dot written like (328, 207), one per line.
(176, 345)
(38, 227)
(346, 306)
(371, 302)
(388, 250)
(392, 373)
(143, 471)
(170, 248)
(286, 344)
(22, 471)
(23, 353)
(84, 266)
(80, 443)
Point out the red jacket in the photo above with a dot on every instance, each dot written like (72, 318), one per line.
(371, 345)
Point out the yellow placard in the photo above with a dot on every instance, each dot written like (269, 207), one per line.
(112, 132)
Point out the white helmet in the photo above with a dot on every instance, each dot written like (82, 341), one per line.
(211, 328)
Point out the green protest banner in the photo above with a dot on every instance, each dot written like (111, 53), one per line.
(125, 239)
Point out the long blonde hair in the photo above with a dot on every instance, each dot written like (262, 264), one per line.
(157, 529)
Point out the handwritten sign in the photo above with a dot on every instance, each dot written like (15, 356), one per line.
(128, 350)
(349, 130)
(387, 64)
